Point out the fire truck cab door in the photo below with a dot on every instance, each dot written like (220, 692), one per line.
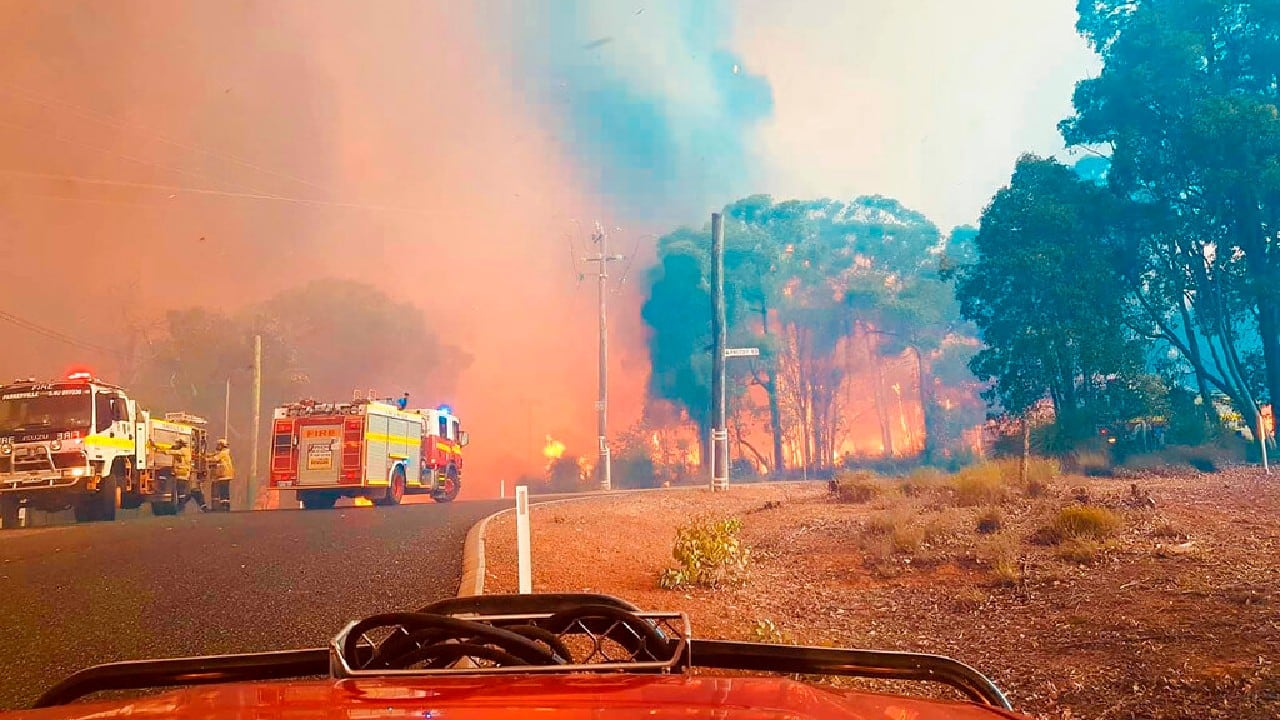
(319, 453)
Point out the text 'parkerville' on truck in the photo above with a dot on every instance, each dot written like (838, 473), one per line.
(84, 444)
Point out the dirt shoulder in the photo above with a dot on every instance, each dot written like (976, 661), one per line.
(1175, 615)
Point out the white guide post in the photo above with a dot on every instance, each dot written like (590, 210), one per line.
(523, 559)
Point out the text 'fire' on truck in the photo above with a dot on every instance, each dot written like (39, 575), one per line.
(83, 444)
(365, 449)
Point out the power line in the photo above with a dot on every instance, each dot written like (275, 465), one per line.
(55, 335)
(211, 191)
(109, 121)
(122, 156)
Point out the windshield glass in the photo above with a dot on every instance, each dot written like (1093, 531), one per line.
(59, 410)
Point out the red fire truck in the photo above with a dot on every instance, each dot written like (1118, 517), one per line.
(365, 449)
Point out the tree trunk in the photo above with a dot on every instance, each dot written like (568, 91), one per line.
(775, 425)
(882, 413)
(927, 414)
(1026, 450)
(775, 412)
(1197, 364)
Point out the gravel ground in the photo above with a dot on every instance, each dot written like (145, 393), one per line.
(75, 596)
(1177, 617)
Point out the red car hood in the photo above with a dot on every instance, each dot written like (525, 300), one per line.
(519, 696)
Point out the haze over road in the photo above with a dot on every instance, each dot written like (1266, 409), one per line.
(79, 595)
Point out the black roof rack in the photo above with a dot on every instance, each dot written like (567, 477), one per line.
(545, 633)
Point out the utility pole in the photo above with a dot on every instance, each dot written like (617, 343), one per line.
(602, 405)
(719, 333)
(226, 413)
(251, 486)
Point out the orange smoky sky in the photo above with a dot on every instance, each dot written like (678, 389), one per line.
(157, 155)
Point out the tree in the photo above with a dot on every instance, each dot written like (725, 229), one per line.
(1044, 292)
(816, 285)
(322, 340)
(1186, 108)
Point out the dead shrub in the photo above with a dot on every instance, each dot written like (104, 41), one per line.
(1085, 521)
(990, 521)
(981, 484)
(858, 487)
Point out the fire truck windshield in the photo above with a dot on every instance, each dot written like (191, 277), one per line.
(50, 410)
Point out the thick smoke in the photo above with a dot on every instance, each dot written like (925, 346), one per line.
(656, 110)
(160, 155)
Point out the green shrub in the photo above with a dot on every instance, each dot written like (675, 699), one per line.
(1085, 521)
(708, 553)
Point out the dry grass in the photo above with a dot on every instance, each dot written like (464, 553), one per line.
(858, 487)
(895, 532)
(968, 600)
(1002, 553)
(981, 484)
(1081, 551)
(1085, 522)
(924, 481)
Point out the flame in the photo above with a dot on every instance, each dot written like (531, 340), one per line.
(553, 449)
(363, 502)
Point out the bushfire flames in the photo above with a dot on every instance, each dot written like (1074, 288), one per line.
(552, 450)
(876, 412)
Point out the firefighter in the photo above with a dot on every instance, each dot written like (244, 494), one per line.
(181, 455)
(223, 473)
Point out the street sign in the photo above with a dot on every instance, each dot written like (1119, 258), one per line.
(741, 352)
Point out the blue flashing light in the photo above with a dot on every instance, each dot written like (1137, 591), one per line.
(445, 409)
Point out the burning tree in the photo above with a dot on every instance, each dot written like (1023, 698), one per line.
(834, 294)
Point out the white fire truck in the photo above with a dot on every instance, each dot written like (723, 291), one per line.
(82, 443)
(365, 449)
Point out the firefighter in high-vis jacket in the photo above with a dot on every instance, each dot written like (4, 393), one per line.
(223, 472)
(181, 454)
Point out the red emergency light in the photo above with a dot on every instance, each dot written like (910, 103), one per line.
(80, 375)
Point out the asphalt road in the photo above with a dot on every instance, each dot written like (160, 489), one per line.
(78, 595)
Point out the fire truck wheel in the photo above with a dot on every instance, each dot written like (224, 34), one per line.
(313, 500)
(100, 505)
(451, 486)
(395, 491)
(9, 512)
